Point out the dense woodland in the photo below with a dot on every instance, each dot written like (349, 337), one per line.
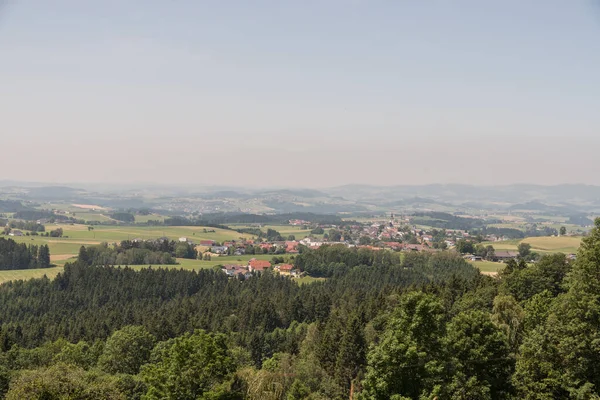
(424, 326)
(157, 252)
(15, 255)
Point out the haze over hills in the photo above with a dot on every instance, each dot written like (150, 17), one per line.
(564, 199)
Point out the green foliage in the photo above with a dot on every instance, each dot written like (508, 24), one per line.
(15, 255)
(524, 249)
(406, 362)
(464, 246)
(479, 356)
(126, 350)
(189, 367)
(523, 282)
(123, 217)
(561, 357)
(63, 381)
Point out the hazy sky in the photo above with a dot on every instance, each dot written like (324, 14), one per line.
(300, 93)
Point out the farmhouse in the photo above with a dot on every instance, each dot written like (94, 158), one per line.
(219, 249)
(234, 270)
(506, 255)
(15, 232)
(207, 243)
(285, 269)
(255, 265)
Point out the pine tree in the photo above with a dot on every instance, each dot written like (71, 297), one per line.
(44, 256)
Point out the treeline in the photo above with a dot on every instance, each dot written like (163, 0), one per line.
(446, 221)
(9, 206)
(129, 252)
(27, 226)
(34, 215)
(15, 255)
(123, 217)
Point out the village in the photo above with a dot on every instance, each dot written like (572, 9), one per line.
(392, 235)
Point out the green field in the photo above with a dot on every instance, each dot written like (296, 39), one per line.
(145, 218)
(25, 274)
(542, 244)
(183, 263)
(488, 267)
(559, 244)
(308, 279)
(76, 236)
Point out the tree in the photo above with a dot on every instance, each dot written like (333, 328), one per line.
(561, 358)
(524, 249)
(57, 232)
(126, 350)
(508, 317)
(188, 367)
(335, 235)
(406, 361)
(63, 381)
(480, 356)
(291, 237)
(463, 247)
(351, 353)
(44, 256)
(563, 231)
(364, 240)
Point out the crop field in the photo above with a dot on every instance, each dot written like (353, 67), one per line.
(542, 244)
(488, 267)
(562, 244)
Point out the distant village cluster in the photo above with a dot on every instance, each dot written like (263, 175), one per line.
(395, 235)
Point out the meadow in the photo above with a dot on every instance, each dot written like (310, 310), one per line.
(542, 244)
(75, 236)
(183, 263)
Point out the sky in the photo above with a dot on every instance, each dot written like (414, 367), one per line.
(300, 93)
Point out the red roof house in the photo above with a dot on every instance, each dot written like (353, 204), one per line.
(258, 265)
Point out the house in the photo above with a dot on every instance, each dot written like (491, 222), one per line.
(235, 270)
(208, 243)
(476, 258)
(15, 232)
(219, 249)
(414, 247)
(291, 247)
(240, 251)
(285, 269)
(255, 265)
(267, 246)
(183, 239)
(502, 255)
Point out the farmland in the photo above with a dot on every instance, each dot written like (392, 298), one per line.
(542, 244)
(183, 263)
(75, 236)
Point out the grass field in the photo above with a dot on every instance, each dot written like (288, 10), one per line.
(542, 244)
(77, 235)
(187, 264)
(25, 274)
(562, 244)
(308, 279)
(488, 267)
